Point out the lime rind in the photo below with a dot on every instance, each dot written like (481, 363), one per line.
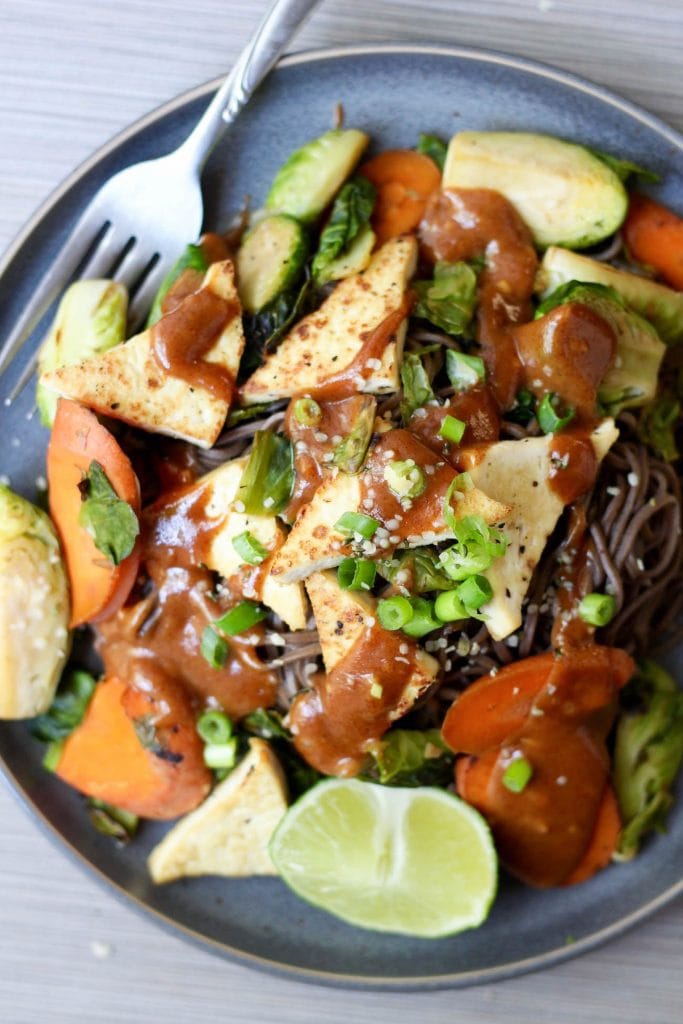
(411, 861)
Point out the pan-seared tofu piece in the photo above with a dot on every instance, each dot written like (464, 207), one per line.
(314, 544)
(342, 617)
(287, 600)
(327, 341)
(518, 472)
(128, 383)
(229, 833)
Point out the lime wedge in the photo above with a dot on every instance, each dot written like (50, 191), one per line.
(413, 861)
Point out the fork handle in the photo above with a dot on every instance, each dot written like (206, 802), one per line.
(283, 19)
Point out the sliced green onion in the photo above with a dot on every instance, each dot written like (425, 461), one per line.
(423, 620)
(517, 774)
(474, 592)
(214, 727)
(404, 478)
(52, 755)
(213, 648)
(449, 608)
(476, 546)
(249, 548)
(243, 616)
(597, 609)
(462, 482)
(357, 522)
(307, 412)
(394, 612)
(356, 574)
(548, 419)
(464, 371)
(452, 430)
(221, 755)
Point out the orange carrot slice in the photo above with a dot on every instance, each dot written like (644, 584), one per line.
(404, 181)
(98, 588)
(603, 842)
(105, 758)
(654, 236)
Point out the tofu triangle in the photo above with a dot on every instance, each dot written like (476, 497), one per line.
(127, 382)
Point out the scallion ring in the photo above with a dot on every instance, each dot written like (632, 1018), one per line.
(548, 419)
(214, 648)
(214, 727)
(249, 548)
(240, 618)
(423, 619)
(597, 609)
(404, 478)
(394, 612)
(449, 608)
(452, 429)
(356, 574)
(517, 775)
(474, 592)
(351, 523)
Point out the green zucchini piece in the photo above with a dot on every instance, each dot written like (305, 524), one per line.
(631, 381)
(310, 178)
(91, 318)
(270, 260)
(564, 193)
(662, 306)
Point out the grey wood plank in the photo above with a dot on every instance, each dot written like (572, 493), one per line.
(72, 74)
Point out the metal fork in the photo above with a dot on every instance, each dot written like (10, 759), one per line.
(140, 220)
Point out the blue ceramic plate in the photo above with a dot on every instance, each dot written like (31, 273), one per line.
(392, 92)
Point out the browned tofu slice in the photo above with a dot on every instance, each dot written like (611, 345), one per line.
(328, 340)
(129, 384)
(518, 472)
(314, 544)
(229, 833)
(342, 616)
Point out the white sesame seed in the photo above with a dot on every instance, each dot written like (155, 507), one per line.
(41, 483)
(392, 524)
(402, 576)
(276, 639)
(632, 479)
(370, 621)
(641, 564)
(512, 641)
(404, 661)
(429, 470)
(515, 690)
(320, 436)
(448, 665)
(494, 671)
(551, 688)
(310, 667)
(403, 648)
(474, 649)
(537, 712)
(376, 690)
(612, 491)
(328, 457)
(394, 538)
(337, 439)
(561, 780)
(367, 502)
(384, 542)
(240, 506)
(268, 502)
(336, 544)
(420, 413)
(389, 453)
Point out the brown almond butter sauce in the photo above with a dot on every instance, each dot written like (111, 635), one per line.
(314, 445)
(182, 338)
(543, 832)
(335, 724)
(467, 224)
(476, 408)
(417, 516)
(160, 636)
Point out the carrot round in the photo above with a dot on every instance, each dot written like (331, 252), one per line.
(105, 758)
(404, 181)
(654, 236)
(98, 588)
(603, 842)
(495, 707)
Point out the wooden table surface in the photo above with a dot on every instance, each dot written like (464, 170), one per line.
(71, 74)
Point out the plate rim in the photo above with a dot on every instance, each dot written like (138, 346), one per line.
(328, 978)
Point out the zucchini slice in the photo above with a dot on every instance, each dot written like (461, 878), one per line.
(270, 260)
(565, 194)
